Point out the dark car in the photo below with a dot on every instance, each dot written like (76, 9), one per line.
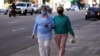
(92, 12)
(48, 9)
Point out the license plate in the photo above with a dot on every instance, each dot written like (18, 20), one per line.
(91, 13)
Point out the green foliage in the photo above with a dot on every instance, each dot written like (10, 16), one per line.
(71, 0)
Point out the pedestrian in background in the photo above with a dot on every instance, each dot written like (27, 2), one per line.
(43, 29)
(13, 7)
(62, 27)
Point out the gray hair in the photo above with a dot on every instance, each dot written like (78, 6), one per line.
(44, 6)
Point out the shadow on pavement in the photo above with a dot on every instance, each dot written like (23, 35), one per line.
(93, 19)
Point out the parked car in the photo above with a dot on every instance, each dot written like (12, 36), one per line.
(49, 9)
(36, 7)
(92, 12)
(74, 8)
(66, 5)
(4, 10)
(23, 8)
(87, 7)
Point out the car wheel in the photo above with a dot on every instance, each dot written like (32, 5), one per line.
(39, 11)
(35, 12)
(98, 18)
(6, 12)
(20, 14)
(31, 12)
(25, 13)
(86, 18)
(10, 14)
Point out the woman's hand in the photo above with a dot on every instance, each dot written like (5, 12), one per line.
(33, 36)
(46, 25)
(74, 39)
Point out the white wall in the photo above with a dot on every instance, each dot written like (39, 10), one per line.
(40, 2)
(56, 3)
(98, 1)
(90, 2)
(1, 3)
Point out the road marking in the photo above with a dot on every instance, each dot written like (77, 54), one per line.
(18, 29)
(93, 23)
(30, 37)
(14, 22)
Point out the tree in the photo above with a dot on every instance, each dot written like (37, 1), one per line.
(71, 0)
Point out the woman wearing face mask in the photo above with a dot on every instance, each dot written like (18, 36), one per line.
(62, 27)
(43, 29)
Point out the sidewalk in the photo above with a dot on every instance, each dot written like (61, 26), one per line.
(88, 43)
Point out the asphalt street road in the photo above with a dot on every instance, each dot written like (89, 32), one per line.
(15, 33)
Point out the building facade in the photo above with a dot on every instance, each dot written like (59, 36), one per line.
(91, 2)
(1, 3)
(52, 3)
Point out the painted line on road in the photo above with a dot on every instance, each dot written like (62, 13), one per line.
(14, 22)
(27, 36)
(18, 29)
(93, 23)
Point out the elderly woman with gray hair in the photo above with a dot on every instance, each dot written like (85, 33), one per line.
(43, 29)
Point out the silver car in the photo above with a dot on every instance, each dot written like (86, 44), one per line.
(24, 8)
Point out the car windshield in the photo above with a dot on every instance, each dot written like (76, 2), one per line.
(93, 9)
(74, 6)
(35, 5)
(21, 4)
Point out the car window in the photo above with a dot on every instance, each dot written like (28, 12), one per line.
(90, 9)
(93, 9)
(28, 5)
(99, 9)
(35, 5)
(20, 4)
